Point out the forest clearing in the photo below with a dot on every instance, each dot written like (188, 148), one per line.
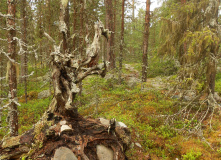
(110, 80)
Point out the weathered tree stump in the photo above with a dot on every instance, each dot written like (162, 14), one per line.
(87, 138)
(62, 133)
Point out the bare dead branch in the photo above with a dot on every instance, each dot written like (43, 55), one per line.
(49, 37)
(94, 70)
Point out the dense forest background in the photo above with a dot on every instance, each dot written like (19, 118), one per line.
(163, 79)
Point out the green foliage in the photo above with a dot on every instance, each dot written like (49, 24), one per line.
(31, 112)
(134, 37)
(186, 37)
(218, 83)
(192, 155)
(165, 131)
(219, 150)
(218, 86)
(161, 67)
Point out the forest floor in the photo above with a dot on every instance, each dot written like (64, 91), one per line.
(139, 106)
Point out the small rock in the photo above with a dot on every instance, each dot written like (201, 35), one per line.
(64, 153)
(63, 122)
(121, 124)
(65, 128)
(104, 153)
(105, 122)
(138, 145)
(44, 94)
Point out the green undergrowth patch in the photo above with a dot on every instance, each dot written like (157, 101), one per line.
(28, 115)
(218, 83)
(158, 67)
(143, 112)
(38, 71)
(139, 110)
(32, 87)
(31, 112)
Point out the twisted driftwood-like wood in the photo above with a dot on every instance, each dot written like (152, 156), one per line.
(81, 136)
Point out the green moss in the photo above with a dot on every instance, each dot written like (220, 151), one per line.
(192, 155)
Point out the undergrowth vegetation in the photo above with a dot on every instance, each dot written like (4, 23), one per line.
(142, 111)
(141, 107)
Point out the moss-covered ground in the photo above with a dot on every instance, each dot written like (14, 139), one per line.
(140, 107)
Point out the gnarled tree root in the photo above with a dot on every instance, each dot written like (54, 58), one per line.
(80, 135)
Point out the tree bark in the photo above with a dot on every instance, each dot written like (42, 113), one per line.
(40, 23)
(122, 42)
(13, 121)
(1, 95)
(1, 72)
(81, 28)
(64, 79)
(133, 9)
(74, 22)
(64, 25)
(109, 25)
(145, 42)
(24, 59)
(49, 21)
(133, 25)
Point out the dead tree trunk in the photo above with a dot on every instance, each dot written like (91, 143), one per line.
(62, 131)
(13, 122)
(145, 42)
(67, 71)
